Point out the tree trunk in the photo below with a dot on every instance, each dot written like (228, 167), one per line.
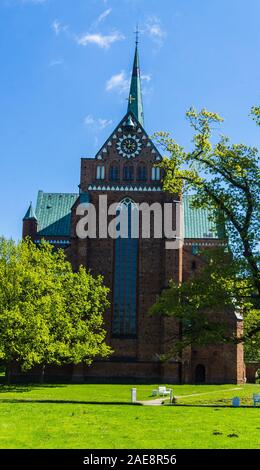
(180, 366)
(251, 260)
(42, 374)
(8, 373)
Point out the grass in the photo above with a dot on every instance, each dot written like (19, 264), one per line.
(100, 416)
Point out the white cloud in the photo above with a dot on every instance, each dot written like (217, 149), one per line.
(56, 62)
(154, 29)
(99, 123)
(104, 15)
(121, 83)
(146, 78)
(103, 123)
(89, 120)
(118, 82)
(91, 37)
(58, 28)
(103, 41)
(146, 89)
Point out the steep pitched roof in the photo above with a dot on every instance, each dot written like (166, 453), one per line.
(53, 212)
(199, 223)
(122, 126)
(30, 214)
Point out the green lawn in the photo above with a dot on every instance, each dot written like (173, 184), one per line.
(100, 416)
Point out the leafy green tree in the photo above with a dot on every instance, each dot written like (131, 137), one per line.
(224, 178)
(48, 313)
(205, 305)
(255, 113)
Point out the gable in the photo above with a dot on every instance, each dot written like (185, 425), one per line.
(113, 145)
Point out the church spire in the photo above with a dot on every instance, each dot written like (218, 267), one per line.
(135, 101)
(30, 214)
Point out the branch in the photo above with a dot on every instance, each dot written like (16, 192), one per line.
(250, 208)
(217, 200)
(225, 173)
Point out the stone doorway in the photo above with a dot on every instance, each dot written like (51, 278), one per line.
(200, 374)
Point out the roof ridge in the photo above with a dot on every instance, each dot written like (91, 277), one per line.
(47, 192)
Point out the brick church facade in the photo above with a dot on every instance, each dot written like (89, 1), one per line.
(135, 269)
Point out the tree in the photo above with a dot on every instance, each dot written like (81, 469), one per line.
(255, 113)
(224, 178)
(48, 313)
(206, 305)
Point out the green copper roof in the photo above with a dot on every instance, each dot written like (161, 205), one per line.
(30, 214)
(135, 102)
(198, 223)
(53, 212)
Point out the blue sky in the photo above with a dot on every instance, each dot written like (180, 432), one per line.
(65, 68)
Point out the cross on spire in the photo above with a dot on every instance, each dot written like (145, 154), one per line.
(131, 99)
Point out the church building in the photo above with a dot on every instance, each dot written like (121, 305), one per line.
(136, 270)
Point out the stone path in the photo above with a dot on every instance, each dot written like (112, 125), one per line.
(155, 402)
(207, 393)
(159, 401)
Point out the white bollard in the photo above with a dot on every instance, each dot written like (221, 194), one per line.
(133, 395)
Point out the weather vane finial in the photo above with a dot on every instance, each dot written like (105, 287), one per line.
(137, 32)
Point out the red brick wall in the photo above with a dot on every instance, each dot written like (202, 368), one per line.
(29, 228)
(139, 357)
(156, 267)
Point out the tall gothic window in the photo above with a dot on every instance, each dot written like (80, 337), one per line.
(100, 172)
(156, 173)
(114, 173)
(125, 273)
(128, 173)
(142, 173)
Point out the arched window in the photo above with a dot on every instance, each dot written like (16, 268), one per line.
(125, 273)
(195, 249)
(142, 173)
(156, 173)
(114, 172)
(100, 172)
(128, 174)
(193, 265)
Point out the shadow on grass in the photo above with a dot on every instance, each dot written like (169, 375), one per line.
(216, 406)
(112, 403)
(14, 388)
(69, 402)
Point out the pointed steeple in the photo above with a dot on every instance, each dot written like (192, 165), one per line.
(30, 214)
(135, 101)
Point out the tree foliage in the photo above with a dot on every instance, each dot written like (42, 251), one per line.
(48, 313)
(255, 113)
(206, 305)
(223, 177)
